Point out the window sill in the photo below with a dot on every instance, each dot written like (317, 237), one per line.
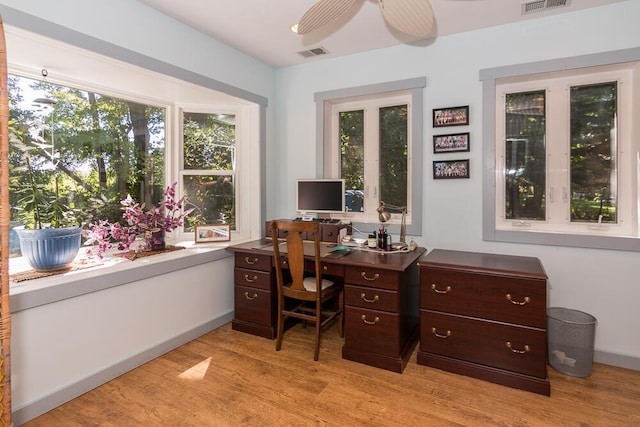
(114, 271)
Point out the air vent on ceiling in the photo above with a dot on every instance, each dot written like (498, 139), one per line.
(540, 5)
(313, 52)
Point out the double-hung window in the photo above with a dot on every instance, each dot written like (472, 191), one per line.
(208, 167)
(565, 156)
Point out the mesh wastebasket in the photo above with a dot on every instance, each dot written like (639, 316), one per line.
(571, 335)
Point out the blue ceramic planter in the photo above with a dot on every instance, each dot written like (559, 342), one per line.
(50, 248)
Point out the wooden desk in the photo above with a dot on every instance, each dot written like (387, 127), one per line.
(381, 300)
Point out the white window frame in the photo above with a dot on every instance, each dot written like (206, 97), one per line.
(371, 107)
(557, 141)
(415, 87)
(490, 79)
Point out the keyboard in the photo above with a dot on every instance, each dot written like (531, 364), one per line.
(321, 220)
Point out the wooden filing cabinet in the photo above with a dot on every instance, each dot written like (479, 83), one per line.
(484, 315)
(255, 294)
(381, 315)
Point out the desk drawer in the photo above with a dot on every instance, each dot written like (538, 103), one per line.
(253, 261)
(252, 278)
(371, 298)
(372, 331)
(509, 347)
(508, 299)
(372, 277)
(254, 305)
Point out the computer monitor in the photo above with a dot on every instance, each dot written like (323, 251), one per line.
(320, 196)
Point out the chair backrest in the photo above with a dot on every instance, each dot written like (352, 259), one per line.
(296, 232)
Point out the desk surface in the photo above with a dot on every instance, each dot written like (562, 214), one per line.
(399, 261)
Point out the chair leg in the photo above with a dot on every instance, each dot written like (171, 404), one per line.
(316, 353)
(341, 319)
(280, 326)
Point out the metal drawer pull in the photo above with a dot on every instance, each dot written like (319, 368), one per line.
(368, 322)
(249, 279)
(248, 261)
(435, 332)
(371, 279)
(363, 297)
(438, 291)
(527, 349)
(526, 300)
(254, 296)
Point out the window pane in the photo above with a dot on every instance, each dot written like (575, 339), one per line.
(352, 157)
(93, 149)
(209, 141)
(213, 200)
(393, 155)
(525, 161)
(593, 152)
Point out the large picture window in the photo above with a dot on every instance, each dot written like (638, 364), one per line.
(558, 144)
(564, 152)
(85, 148)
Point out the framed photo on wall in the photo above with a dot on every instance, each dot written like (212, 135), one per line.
(213, 233)
(449, 169)
(450, 116)
(451, 143)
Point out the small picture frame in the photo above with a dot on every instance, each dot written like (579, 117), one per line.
(450, 169)
(451, 143)
(450, 116)
(213, 233)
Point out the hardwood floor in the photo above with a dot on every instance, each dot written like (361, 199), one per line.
(228, 378)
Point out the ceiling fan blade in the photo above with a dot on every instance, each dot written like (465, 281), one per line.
(413, 17)
(321, 13)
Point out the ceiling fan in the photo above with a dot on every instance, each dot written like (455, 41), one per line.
(412, 17)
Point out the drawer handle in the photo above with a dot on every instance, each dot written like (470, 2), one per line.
(324, 267)
(526, 300)
(371, 279)
(363, 297)
(249, 279)
(369, 322)
(527, 349)
(445, 336)
(248, 261)
(439, 291)
(250, 297)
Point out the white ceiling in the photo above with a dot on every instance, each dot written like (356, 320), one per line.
(260, 28)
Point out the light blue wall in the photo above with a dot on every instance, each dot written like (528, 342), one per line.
(603, 283)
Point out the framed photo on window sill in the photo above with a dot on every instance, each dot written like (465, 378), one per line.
(213, 233)
(450, 116)
(451, 143)
(450, 169)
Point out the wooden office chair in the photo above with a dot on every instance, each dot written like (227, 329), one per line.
(310, 294)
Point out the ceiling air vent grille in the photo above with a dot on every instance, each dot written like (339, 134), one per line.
(540, 5)
(313, 52)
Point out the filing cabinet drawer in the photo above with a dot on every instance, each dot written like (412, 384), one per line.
(372, 277)
(509, 347)
(371, 298)
(252, 278)
(253, 261)
(507, 299)
(376, 331)
(254, 305)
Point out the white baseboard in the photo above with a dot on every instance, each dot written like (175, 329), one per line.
(37, 408)
(618, 360)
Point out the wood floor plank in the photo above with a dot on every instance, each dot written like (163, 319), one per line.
(229, 378)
